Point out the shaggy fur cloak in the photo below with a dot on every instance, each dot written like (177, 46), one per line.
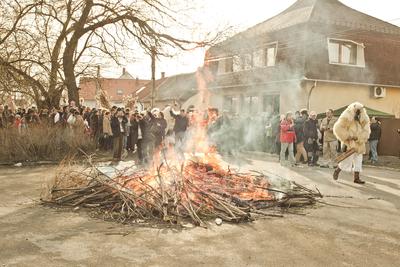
(347, 128)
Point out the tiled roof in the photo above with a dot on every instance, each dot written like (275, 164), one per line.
(116, 89)
(323, 11)
(179, 87)
(145, 91)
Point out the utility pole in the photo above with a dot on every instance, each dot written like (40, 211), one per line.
(97, 94)
(153, 75)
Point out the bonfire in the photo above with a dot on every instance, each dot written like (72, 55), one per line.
(196, 189)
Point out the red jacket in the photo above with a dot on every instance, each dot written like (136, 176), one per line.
(287, 132)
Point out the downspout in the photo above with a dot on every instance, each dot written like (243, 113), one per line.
(309, 94)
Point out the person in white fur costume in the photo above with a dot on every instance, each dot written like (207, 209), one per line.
(353, 130)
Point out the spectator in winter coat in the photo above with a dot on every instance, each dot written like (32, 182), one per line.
(118, 127)
(152, 133)
(107, 131)
(137, 133)
(330, 141)
(95, 126)
(86, 114)
(311, 138)
(18, 123)
(287, 137)
(79, 125)
(181, 125)
(374, 139)
(299, 130)
(44, 116)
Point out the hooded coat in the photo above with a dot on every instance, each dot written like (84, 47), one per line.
(347, 127)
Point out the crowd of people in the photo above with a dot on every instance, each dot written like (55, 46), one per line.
(300, 137)
(303, 138)
(118, 129)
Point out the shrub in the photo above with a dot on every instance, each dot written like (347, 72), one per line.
(41, 143)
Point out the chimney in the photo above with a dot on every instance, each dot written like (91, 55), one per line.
(162, 75)
(123, 71)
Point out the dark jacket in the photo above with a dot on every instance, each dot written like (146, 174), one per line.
(94, 124)
(164, 126)
(311, 129)
(376, 131)
(134, 130)
(155, 127)
(181, 122)
(299, 129)
(115, 126)
(100, 124)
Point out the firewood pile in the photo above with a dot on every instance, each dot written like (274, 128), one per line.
(194, 192)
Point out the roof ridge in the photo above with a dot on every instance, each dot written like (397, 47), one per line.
(387, 25)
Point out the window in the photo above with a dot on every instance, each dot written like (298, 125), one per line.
(212, 66)
(258, 58)
(270, 56)
(120, 92)
(265, 57)
(237, 63)
(251, 104)
(231, 104)
(346, 53)
(271, 104)
(229, 64)
(225, 65)
(247, 61)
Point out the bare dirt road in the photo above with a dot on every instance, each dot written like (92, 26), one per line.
(359, 227)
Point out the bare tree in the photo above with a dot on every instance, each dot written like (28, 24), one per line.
(52, 42)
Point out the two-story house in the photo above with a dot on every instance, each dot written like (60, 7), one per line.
(317, 54)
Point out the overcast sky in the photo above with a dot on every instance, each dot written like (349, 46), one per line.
(213, 14)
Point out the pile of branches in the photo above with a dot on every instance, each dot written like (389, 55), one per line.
(195, 192)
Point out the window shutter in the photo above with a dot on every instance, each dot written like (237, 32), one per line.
(360, 55)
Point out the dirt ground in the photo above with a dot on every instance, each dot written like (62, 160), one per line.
(359, 226)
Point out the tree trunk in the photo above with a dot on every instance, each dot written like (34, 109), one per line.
(68, 55)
